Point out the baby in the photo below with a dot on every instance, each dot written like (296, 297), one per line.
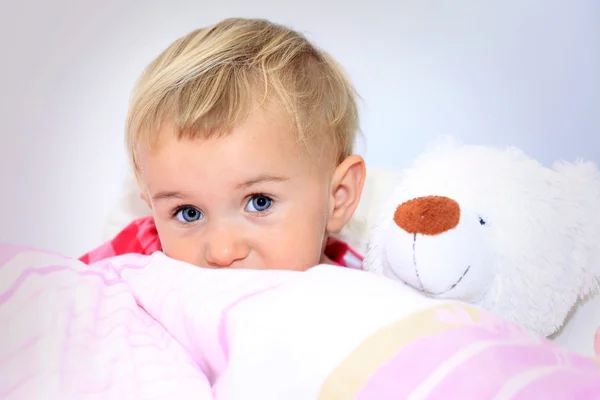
(241, 136)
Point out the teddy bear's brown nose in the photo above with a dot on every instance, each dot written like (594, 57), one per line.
(429, 215)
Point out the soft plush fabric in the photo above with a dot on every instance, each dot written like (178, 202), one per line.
(493, 227)
(148, 327)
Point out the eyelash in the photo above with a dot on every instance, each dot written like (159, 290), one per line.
(178, 209)
(258, 195)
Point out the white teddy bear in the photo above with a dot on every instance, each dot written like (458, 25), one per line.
(494, 228)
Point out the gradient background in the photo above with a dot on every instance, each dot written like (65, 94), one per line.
(525, 73)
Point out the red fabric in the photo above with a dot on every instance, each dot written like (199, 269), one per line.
(141, 237)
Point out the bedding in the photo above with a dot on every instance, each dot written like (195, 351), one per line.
(149, 327)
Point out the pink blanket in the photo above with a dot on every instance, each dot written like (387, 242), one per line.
(152, 328)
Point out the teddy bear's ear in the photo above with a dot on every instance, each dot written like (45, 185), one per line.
(580, 170)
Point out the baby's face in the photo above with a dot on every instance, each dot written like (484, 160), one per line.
(252, 199)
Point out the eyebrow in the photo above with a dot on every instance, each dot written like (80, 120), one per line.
(261, 179)
(168, 195)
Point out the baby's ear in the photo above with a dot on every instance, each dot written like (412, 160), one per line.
(346, 188)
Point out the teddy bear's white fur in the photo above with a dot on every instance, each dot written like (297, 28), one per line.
(527, 244)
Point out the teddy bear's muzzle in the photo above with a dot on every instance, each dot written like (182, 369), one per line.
(437, 248)
(429, 215)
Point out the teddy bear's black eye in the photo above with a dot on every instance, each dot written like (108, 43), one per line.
(481, 221)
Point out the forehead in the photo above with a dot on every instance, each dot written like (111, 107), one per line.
(263, 144)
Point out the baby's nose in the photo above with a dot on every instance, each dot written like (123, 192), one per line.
(429, 215)
(224, 249)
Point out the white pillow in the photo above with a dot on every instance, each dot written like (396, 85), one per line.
(378, 187)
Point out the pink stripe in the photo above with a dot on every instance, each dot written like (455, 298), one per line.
(4, 297)
(564, 384)
(9, 251)
(24, 381)
(121, 268)
(223, 337)
(415, 361)
(597, 343)
(486, 372)
(578, 362)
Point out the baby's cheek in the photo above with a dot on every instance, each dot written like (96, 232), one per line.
(297, 252)
(182, 249)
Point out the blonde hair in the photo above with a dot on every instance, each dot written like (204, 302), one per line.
(205, 82)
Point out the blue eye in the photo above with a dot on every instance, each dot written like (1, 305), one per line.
(188, 215)
(259, 203)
